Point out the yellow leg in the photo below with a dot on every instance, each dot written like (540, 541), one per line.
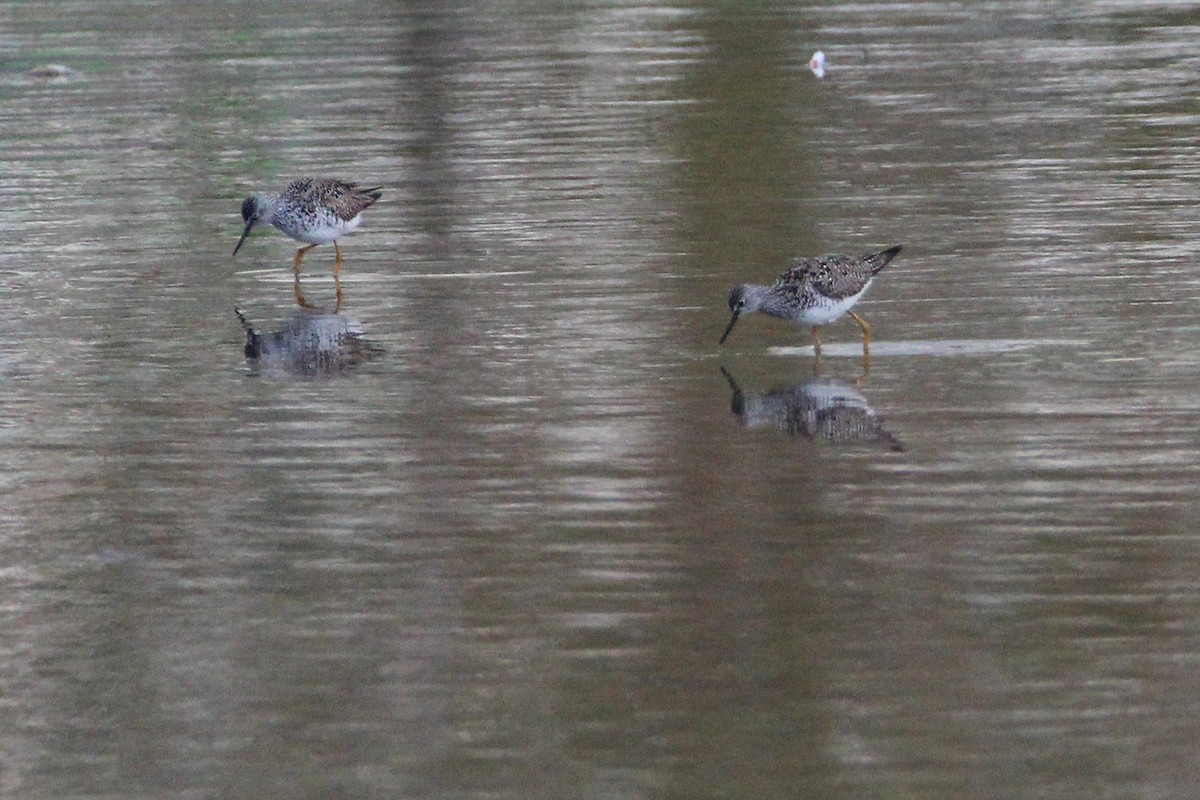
(866, 332)
(300, 301)
(337, 262)
(300, 255)
(816, 332)
(337, 285)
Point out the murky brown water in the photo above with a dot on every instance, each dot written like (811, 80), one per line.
(538, 536)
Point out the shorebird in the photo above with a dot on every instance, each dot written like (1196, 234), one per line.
(814, 292)
(312, 210)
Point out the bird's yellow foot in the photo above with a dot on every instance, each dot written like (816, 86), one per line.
(300, 301)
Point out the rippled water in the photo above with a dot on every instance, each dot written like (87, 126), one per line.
(511, 524)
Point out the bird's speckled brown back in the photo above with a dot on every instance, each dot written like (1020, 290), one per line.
(835, 276)
(344, 199)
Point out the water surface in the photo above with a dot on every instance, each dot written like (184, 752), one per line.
(535, 542)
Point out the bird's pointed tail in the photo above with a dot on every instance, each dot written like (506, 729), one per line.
(877, 261)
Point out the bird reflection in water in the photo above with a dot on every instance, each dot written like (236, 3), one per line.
(816, 408)
(312, 343)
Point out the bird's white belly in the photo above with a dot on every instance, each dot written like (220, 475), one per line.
(321, 231)
(829, 309)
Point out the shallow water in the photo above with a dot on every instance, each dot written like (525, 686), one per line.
(540, 536)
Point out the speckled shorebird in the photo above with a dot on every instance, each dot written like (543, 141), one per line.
(814, 291)
(312, 210)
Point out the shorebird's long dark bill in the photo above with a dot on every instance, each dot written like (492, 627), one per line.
(725, 335)
(245, 233)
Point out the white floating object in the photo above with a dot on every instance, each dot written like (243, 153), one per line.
(52, 71)
(928, 347)
(817, 64)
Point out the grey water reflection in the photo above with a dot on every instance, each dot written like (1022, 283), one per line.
(816, 408)
(312, 343)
